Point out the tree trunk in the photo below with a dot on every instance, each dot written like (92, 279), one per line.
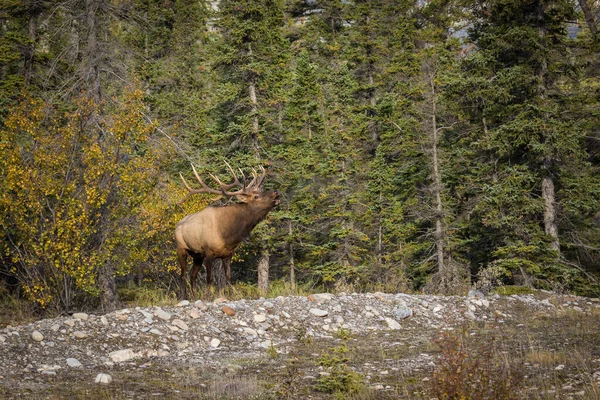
(590, 19)
(550, 227)
(263, 272)
(439, 234)
(92, 59)
(32, 36)
(108, 287)
(291, 251)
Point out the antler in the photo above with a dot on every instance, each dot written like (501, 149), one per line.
(224, 189)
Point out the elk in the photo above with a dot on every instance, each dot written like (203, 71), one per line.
(215, 232)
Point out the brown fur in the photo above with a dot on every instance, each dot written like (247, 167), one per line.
(216, 231)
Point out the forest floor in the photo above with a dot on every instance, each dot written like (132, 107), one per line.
(351, 346)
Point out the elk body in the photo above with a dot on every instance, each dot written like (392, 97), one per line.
(215, 232)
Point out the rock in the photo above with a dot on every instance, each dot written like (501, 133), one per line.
(214, 343)
(320, 298)
(476, 293)
(559, 367)
(121, 355)
(228, 311)
(80, 315)
(162, 314)
(251, 332)
(220, 300)
(80, 335)
(37, 336)
(469, 314)
(155, 331)
(103, 320)
(199, 304)
(258, 318)
(183, 303)
(180, 324)
(73, 363)
(70, 323)
(318, 312)
(104, 379)
(393, 324)
(402, 312)
(194, 314)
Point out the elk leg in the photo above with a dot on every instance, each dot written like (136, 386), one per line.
(198, 258)
(209, 266)
(182, 259)
(227, 268)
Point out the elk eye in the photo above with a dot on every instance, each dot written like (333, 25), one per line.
(256, 197)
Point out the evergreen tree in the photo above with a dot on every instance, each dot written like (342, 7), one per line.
(515, 88)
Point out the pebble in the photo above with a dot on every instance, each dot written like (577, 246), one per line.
(37, 336)
(199, 304)
(81, 316)
(162, 314)
(318, 312)
(103, 378)
(180, 324)
(80, 335)
(260, 318)
(214, 343)
(121, 355)
(73, 363)
(183, 303)
(228, 311)
(393, 324)
(402, 312)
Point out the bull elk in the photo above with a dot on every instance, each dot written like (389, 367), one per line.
(215, 232)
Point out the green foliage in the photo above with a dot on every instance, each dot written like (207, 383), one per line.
(339, 378)
(510, 290)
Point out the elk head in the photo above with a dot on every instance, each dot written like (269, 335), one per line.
(215, 232)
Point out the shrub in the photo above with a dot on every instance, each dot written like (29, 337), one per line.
(470, 370)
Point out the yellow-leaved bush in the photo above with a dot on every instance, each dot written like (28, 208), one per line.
(80, 194)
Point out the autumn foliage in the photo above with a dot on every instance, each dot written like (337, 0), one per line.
(75, 198)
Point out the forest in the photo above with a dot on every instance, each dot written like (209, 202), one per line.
(417, 145)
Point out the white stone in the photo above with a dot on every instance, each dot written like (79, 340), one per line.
(200, 305)
(162, 314)
(393, 324)
(80, 335)
(80, 315)
(251, 332)
(156, 332)
(70, 323)
(103, 378)
(260, 318)
(183, 303)
(318, 312)
(103, 320)
(121, 355)
(194, 314)
(37, 336)
(73, 363)
(214, 343)
(180, 324)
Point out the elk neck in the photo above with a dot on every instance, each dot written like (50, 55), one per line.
(241, 219)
